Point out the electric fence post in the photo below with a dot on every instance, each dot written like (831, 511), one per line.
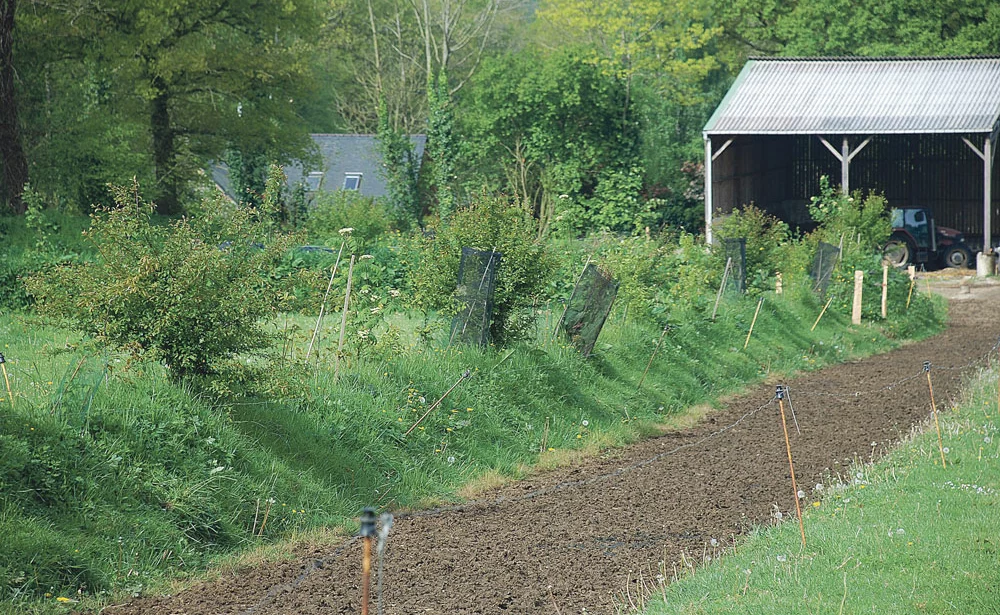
(780, 394)
(6, 380)
(930, 387)
(367, 533)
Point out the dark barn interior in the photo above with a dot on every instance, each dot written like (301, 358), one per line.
(779, 173)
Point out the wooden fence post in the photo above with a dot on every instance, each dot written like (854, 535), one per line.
(859, 279)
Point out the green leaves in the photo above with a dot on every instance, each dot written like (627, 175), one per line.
(191, 293)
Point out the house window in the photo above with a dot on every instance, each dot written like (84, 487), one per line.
(352, 181)
(313, 181)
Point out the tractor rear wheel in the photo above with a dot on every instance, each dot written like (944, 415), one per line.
(898, 252)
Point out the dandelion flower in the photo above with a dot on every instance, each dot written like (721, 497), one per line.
(946, 449)
(585, 422)
(451, 459)
(782, 558)
(714, 542)
(801, 494)
(422, 400)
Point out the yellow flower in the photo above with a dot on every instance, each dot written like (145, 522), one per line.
(64, 599)
(815, 504)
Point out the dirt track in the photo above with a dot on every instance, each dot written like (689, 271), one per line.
(583, 534)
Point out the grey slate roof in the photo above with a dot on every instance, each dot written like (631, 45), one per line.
(340, 155)
(861, 96)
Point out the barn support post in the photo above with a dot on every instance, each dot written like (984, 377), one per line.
(845, 156)
(708, 189)
(985, 262)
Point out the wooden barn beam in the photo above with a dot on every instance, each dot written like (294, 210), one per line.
(719, 151)
(986, 155)
(708, 189)
(845, 156)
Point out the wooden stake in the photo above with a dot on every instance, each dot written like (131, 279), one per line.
(651, 357)
(725, 277)
(367, 535)
(930, 387)
(753, 322)
(821, 312)
(885, 288)
(912, 272)
(791, 466)
(465, 375)
(343, 320)
(3, 365)
(859, 279)
(322, 306)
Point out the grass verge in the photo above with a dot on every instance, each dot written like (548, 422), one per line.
(116, 479)
(907, 535)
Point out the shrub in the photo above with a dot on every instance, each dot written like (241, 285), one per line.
(190, 293)
(489, 223)
(863, 223)
(338, 209)
(766, 237)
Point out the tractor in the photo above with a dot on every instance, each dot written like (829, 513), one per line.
(917, 240)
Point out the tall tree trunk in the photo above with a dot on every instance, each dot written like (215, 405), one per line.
(12, 160)
(164, 152)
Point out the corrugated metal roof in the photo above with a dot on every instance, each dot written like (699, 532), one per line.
(866, 96)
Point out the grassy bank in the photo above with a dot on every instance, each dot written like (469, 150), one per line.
(906, 536)
(115, 477)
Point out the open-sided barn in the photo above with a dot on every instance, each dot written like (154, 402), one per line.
(921, 131)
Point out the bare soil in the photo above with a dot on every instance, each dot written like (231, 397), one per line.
(574, 540)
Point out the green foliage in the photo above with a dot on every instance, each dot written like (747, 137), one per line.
(489, 223)
(555, 131)
(190, 293)
(767, 238)
(333, 211)
(441, 147)
(400, 169)
(863, 224)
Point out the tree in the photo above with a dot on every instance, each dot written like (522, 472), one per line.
(669, 42)
(12, 159)
(211, 73)
(548, 129)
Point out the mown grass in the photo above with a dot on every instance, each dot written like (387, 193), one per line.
(907, 535)
(116, 479)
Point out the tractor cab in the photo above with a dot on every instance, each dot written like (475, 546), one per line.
(916, 239)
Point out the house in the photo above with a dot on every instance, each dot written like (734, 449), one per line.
(921, 131)
(348, 162)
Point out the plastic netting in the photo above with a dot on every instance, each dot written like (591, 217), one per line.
(736, 254)
(588, 307)
(823, 265)
(477, 278)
